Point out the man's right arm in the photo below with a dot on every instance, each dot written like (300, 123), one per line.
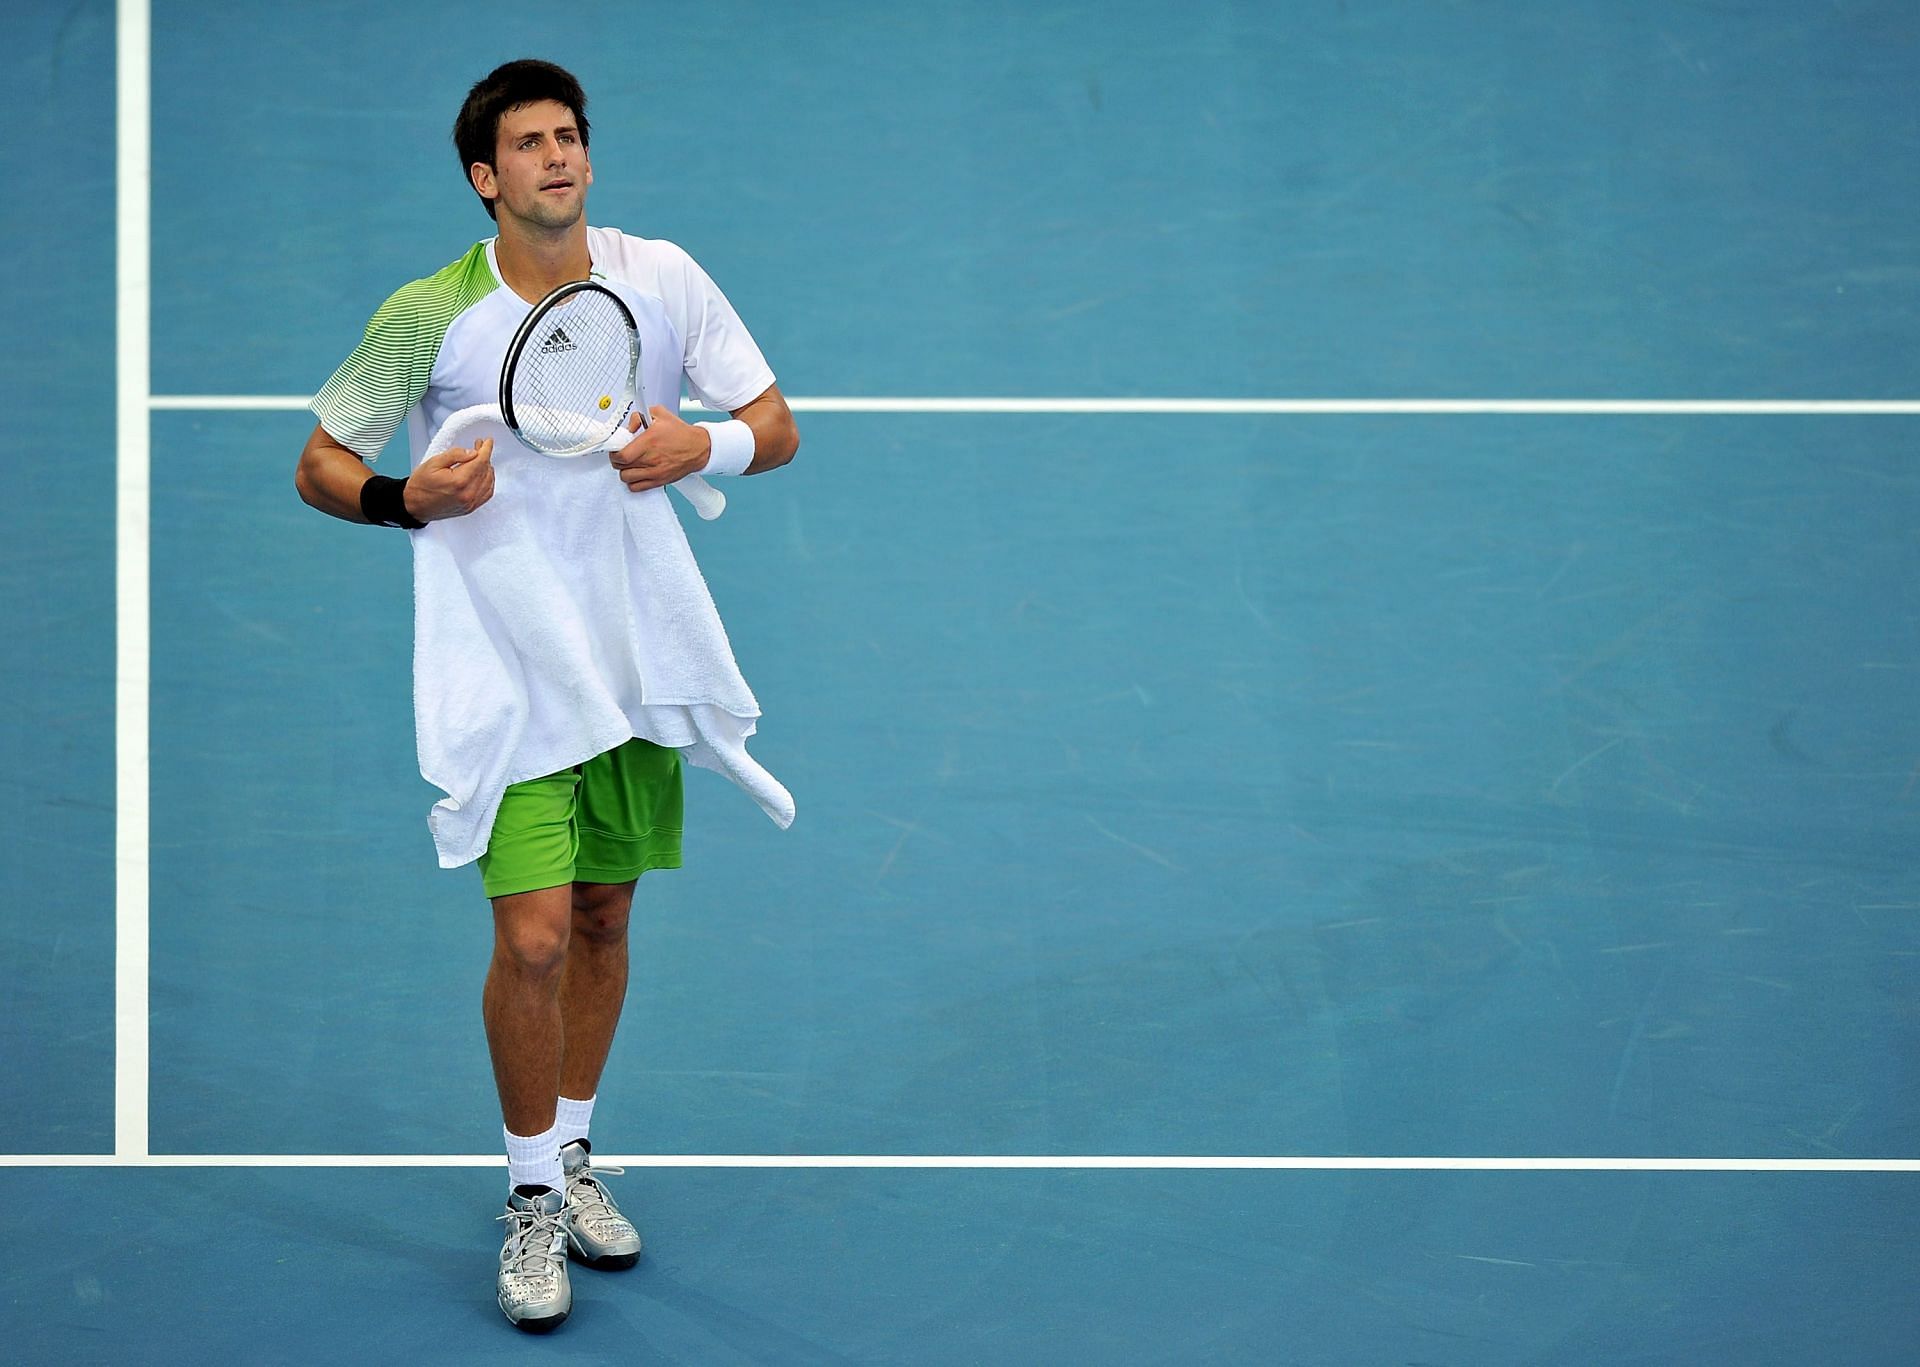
(451, 484)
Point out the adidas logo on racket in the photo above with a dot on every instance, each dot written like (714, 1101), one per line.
(557, 340)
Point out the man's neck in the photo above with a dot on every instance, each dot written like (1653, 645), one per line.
(534, 265)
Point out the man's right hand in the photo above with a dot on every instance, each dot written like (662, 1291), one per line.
(451, 484)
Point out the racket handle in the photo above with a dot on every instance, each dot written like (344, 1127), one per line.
(707, 501)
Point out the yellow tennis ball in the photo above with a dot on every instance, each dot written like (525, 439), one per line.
(606, 401)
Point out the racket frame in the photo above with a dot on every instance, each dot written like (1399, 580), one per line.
(523, 337)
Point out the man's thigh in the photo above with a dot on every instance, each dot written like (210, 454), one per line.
(631, 811)
(535, 840)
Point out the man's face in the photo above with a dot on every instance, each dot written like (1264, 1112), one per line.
(540, 171)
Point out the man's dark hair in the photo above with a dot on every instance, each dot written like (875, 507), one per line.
(527, 81)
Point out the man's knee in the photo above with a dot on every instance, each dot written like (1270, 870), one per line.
(531, 931)
(600, 911)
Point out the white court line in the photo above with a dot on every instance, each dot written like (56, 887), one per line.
(1124, 1163)
(133, 466)
(267, 403)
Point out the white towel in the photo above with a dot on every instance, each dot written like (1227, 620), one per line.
(559, 619)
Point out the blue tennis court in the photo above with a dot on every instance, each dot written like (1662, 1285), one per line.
(1344, 633)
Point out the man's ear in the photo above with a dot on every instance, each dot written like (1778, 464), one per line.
(483, 180)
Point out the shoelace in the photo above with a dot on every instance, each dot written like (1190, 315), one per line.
(530, 1240)
(587, 1176)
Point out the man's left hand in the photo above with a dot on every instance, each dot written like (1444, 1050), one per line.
(668, 449)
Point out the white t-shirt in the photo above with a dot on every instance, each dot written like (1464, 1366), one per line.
(566, 613)
(436, 345)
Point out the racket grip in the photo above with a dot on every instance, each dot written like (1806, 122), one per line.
(707, 501)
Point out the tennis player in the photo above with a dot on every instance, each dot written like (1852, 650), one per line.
(565, 850)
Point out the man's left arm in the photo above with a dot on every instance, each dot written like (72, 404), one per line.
(775, 437)
(671, 448)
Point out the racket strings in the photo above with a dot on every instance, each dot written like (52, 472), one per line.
(571, 386)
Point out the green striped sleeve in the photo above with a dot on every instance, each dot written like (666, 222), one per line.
(367, 399)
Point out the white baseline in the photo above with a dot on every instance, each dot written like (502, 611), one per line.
(267, 403)
(1082, 1162)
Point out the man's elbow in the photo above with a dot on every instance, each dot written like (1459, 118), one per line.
(786, 442)
(303, 482)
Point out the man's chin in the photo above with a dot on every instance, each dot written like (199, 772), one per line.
(553, 218)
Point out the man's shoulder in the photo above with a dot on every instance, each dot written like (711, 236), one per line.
(436, 300)
(637, 260)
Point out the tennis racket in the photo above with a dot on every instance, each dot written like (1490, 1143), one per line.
(572, 378)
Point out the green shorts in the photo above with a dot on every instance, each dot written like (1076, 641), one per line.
(606, 821)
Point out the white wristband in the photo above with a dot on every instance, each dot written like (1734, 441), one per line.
(732, 447)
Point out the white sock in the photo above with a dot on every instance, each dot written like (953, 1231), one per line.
(570, 1121)
(534, 1161)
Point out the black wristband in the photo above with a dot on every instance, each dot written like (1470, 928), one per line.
(383, 502)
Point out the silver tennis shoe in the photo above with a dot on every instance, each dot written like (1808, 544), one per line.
(534, 1291)
(598, 1234)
